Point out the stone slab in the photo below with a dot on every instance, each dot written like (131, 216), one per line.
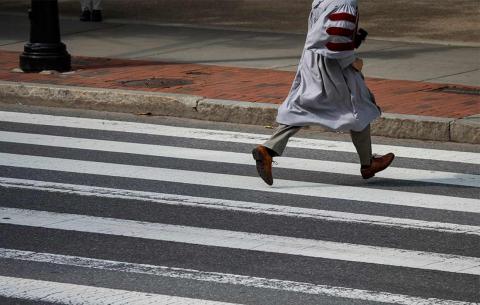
(237, 112)
(412, 127)
(466, 130)
(116, 100)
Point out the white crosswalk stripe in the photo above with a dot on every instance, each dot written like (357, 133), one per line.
(237, 158)
(223, 278)
(28, 170)
(387, 197)
(245, 241)
(243, 206)
(86, 295)
(229, 136)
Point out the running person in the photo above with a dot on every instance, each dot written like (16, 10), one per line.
(329, 89)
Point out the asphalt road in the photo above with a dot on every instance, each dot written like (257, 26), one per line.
(104, 208)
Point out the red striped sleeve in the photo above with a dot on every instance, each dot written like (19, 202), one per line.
(343, 17)
(340, 46)
(340, 32)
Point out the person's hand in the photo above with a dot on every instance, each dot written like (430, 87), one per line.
(358, 64)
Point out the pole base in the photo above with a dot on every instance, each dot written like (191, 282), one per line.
(45, 56)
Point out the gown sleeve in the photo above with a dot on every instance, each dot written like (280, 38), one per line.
(333, 34)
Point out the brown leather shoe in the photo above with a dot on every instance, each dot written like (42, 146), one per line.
(264, 163)
(379, 163)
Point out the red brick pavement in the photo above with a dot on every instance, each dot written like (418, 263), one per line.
(242, 84)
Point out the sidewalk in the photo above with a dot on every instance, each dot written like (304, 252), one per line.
(229, 89)
(279, 51)
(421, 20)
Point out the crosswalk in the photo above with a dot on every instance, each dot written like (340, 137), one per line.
(96, 211)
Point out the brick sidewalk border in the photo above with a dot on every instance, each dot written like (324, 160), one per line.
(240, 84)
(237, 95)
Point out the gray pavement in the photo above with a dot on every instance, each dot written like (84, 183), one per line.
(433, 20)
(383, 59)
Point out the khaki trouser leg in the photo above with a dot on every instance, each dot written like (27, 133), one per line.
(363, 143)
(278, 141)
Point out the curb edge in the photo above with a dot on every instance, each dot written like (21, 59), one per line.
(198, 107)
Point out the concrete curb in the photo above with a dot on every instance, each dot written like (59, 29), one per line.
(98, 99)
(190, 106)
(466, 129)
(237, 112)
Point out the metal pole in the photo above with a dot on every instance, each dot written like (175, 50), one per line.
(45, 51)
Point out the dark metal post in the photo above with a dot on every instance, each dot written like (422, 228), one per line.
(44, 51)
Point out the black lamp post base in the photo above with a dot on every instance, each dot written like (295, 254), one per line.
(45, 56)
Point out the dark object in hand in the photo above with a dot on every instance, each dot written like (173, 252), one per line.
(360, 37)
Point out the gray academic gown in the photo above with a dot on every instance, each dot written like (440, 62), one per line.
(327, 90)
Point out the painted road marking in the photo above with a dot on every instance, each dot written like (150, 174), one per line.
(222, 278)
(45, 291)
(245, 182)
(428, 176)
(240, 206)
(244, 241)
(229, 136)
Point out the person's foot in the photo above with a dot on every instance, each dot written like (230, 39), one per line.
(264, 163)
(379, 163)
(97, 16)
(86, 15)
